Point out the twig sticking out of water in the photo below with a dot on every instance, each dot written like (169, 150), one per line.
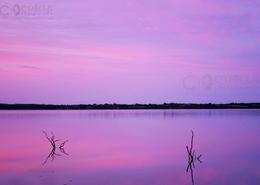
(53, 142)
(192, 158)
(51, 139)
(61, 147)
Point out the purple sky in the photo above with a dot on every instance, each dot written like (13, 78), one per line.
(144, 51)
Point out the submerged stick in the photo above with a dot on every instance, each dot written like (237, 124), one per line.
(192, 158)
(53, 141)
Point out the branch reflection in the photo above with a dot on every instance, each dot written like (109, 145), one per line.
(192, 158)
(54, 146)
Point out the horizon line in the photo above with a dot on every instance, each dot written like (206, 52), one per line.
(115, 106)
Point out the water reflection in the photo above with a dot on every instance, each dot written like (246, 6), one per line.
(133, 147)
(192, 158)
(54, 145)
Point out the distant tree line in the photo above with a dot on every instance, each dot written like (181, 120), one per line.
(129, 106)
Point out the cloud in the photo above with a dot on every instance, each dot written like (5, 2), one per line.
(28, 67)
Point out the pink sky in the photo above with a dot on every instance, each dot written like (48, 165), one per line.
(107, 51)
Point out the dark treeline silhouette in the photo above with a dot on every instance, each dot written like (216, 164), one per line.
(129, 106)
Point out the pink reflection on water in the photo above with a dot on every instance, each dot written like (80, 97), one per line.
(124, 147)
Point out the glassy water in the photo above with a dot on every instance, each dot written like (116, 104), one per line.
(130, 147)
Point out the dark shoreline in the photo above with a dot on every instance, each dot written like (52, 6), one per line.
(129, 106)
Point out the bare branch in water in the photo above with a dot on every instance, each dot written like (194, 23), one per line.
(192, 158)
(51, 155)
(61, 147)
(63, 144)
(53, 141)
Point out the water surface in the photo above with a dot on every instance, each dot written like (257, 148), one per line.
(130, 147)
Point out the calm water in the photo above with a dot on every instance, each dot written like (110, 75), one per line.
(130, 147)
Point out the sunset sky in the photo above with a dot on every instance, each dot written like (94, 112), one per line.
(135, 51)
